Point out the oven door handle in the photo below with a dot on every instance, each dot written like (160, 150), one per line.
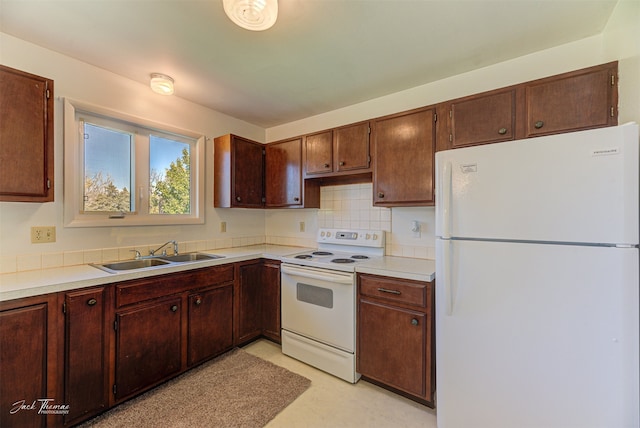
(321, 275)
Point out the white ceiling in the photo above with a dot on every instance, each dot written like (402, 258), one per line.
(320, 55)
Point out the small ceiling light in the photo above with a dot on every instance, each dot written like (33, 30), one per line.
(254, 15)
(161, 84)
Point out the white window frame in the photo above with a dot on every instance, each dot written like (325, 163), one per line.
(74, 173)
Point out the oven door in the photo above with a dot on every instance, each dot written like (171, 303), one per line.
(319, 304)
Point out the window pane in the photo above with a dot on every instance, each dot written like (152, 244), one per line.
(107, 169)
(170, 181)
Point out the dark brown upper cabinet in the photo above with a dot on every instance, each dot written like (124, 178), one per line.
(238, 173)
(283, 179)
(572, 101)
(26, 137)
(339, 151)
(482, 119)
(403, 153)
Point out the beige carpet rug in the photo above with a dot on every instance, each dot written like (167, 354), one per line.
(236, 389)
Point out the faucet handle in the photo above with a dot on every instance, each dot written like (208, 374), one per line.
(138, 255)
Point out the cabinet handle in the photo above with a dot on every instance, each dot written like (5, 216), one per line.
(502, 131)
(341, 163)
(238, 198)
(414, 321)
(386, 290)
(326, 165)
(91, 302)
(539, 124)
(198, 301)
(380, 195)
(174, 308)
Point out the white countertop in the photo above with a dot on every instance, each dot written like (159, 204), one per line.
(38, 282)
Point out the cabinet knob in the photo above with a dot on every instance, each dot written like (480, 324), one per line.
(198, 301)
(502, 131)
(326, 165)
(414, 321)
(380, 194)
(539, 124)
(91, 302)
(238, 198)
(341, 163)
(174, 308)
(296, 199)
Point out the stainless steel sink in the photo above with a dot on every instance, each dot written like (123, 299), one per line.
(130, 265)
(189, 257)
(152, 262)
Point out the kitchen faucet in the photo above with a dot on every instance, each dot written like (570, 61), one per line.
(164, 253)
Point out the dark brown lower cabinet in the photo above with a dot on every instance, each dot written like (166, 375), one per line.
(86, 374)
(28, 361)
(395, 347)
(210, 325)
(148, 345)
(271, 300)
(249, 311)
(258, 301)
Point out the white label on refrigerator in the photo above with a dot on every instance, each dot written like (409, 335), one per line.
(469, 167)
(606, 152)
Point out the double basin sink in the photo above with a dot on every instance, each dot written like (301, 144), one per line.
(155, 261)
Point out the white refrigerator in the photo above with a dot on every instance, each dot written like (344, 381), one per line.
(537, 319)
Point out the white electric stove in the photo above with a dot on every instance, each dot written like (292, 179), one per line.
(319, 299)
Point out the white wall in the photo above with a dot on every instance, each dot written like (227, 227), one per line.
(81, 81)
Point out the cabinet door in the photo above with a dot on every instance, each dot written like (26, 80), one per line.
(392, 346)
(249, 302)
(572, 101)
(23, 360)
(318, 153)
(487, 118)
(404, 146)
(148, 345)
(86, 353)
(271, 300)
(351, 147)
(283, 166)
(248, 173)
(210, 329)
(26, 137)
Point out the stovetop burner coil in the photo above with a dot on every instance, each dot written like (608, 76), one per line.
(304, 256)
(359, 257)
(322, 253)
(343, 261)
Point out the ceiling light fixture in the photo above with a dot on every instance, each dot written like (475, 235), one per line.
(161, 84)
(254, 15)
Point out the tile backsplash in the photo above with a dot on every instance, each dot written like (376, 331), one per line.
(351, 206)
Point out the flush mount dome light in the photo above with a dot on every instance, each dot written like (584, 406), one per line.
(254, 15)
(161, 84)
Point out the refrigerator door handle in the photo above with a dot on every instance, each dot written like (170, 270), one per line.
(446, 200)
(447, 278)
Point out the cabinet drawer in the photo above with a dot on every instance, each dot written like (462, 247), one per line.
(136, 291)
(394, 290)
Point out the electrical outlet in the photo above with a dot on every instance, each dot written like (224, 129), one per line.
(302, 226)
(42, 234)
(223, 226)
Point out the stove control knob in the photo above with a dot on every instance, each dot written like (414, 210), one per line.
(322, 234)
(375, 236)
(367, 236)
(328, 234)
